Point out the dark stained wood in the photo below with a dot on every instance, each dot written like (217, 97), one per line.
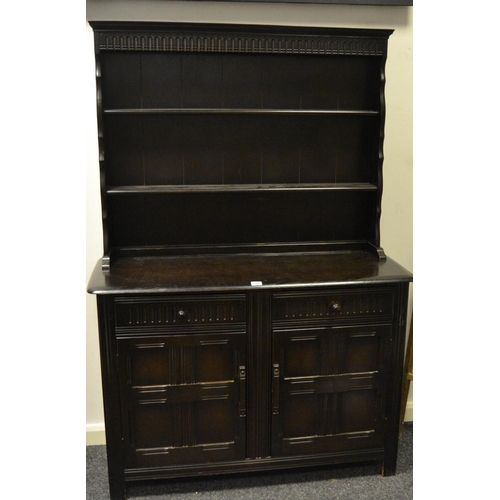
(407, 377)
(111, 399)
(248, 317)
(395, 384)
(213, 105)
(181, 398)
(332, 386)
(237, 272)
(259, 382)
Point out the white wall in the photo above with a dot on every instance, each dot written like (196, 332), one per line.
(397, 207)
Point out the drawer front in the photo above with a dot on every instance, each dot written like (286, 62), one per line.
(179, 311)
(333, 305)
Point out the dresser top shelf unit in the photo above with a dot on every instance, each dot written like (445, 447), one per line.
(239, 138)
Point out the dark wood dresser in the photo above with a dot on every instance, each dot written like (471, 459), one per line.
(248, 318)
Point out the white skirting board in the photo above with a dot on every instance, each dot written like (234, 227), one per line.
(409, 412)
(96, 435)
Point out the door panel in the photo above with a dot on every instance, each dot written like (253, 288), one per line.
(328, 388)
(183, 398)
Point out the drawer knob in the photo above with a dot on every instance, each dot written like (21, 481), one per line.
(335, 306)
(181, 313)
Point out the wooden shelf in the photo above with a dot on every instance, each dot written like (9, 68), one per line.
(188, 273)
(220, 188)
(237, 111)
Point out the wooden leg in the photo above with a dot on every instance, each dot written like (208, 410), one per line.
(111, 389)
(407, 377)
(391, 453)
(117, 487)
(388, 469)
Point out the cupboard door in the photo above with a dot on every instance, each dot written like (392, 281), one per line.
(183, 398)
(328, 389)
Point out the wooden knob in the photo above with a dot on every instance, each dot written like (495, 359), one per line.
(335, 306)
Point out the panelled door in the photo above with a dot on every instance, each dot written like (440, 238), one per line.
(328, 388)
(183, 398)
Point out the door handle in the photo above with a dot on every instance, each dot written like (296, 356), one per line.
(276, 389)
(242, 375)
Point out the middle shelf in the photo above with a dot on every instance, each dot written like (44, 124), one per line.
(144, 189)
(232, 149)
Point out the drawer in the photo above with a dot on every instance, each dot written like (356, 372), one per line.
(334, 304)
(179, 311)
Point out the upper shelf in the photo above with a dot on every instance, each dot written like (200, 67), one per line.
(235, 111)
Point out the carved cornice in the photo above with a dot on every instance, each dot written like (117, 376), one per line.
(242, 43)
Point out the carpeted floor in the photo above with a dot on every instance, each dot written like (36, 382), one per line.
(362, 482)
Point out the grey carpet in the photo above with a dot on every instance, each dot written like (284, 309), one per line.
(361, 482)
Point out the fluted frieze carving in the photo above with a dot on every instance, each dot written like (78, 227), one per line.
(231, 43)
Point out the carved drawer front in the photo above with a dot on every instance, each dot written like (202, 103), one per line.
(333, 305)
(179, 311)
